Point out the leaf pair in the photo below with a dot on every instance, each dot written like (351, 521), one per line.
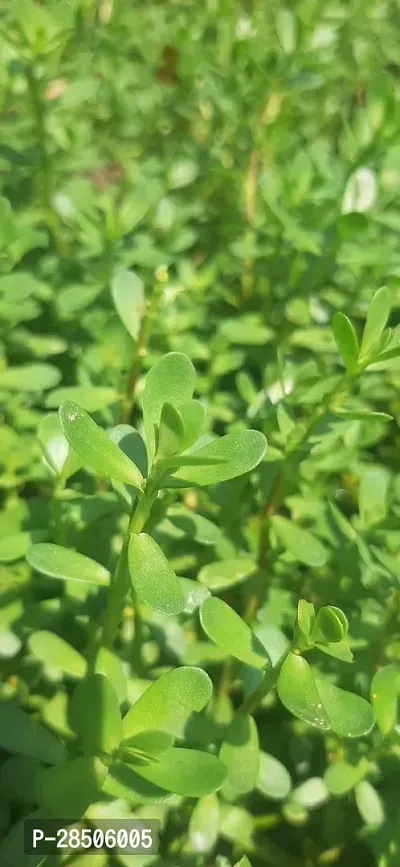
(327, 630)
(173, 422)
(320, 703)
(373, 339)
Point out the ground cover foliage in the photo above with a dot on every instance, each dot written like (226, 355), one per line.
(199, 472)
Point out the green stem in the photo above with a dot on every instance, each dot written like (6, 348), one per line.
(120, 582)
(269, 680)
(139, 354)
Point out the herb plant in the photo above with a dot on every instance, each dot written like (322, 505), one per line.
(199, 545)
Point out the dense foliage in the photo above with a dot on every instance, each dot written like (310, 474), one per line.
(199, 471)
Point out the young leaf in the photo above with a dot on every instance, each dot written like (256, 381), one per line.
(361, 415)
(15, 547)
(226, 573)
(124, 783)
(152, 576)
(89, 398)
(19, 733)
(128, 297)
(69, 788)
(190, 773)
(330, 625)
(67, 564)
(172, 379)
(204, 824)
(171, 432)
(193, 415)
(305, 619)
(274, 780)
(341, 777)
(169, 701)
(346, 340)
(234, 455)
(377, 316)
(320, 703)
(302, 544)
(243, 862)
(227, 629)
(55, 446)
(109, 664)
(29, 377)
(53, 650)
(95, 715)
(369, 804)
(152, 743)
(240, 753)
(385, 692)
(95, 448)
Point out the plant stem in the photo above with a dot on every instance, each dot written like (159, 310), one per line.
(268, 682)
(139, 353)
(120, 582)
(46, 174)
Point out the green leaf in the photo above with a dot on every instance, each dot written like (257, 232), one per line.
(362, 415)
(29, 377)
(373, 495)
(95, 448)
(128, 296)
(330, 625)
(194, 594)
(310, 794)
(15, 547)
(129, 440)
(369, 804)
(234, 455)
(377, 316)
(231, 633)
(171, 432)
(152, 576)
(152, 743)
(240, 753)
(302, 544)
(305, 619)
(183, 522)
(226, 573)
(171, 379)
(19, 733)
(190, 773)
(169, 701)
(320, 703)
(204, 824)
(109, 664)
(69, 788)
(89, 398)
(67, 564)
(193, 415)
(54, 651)
(385, 692)
(55, 447)
(380, 100)
(95, 715)
(274, 780)
(346, 340)
(124, 783)
(243, 862)
(341, 777)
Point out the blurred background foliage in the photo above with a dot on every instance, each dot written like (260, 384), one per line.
(244, 160)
